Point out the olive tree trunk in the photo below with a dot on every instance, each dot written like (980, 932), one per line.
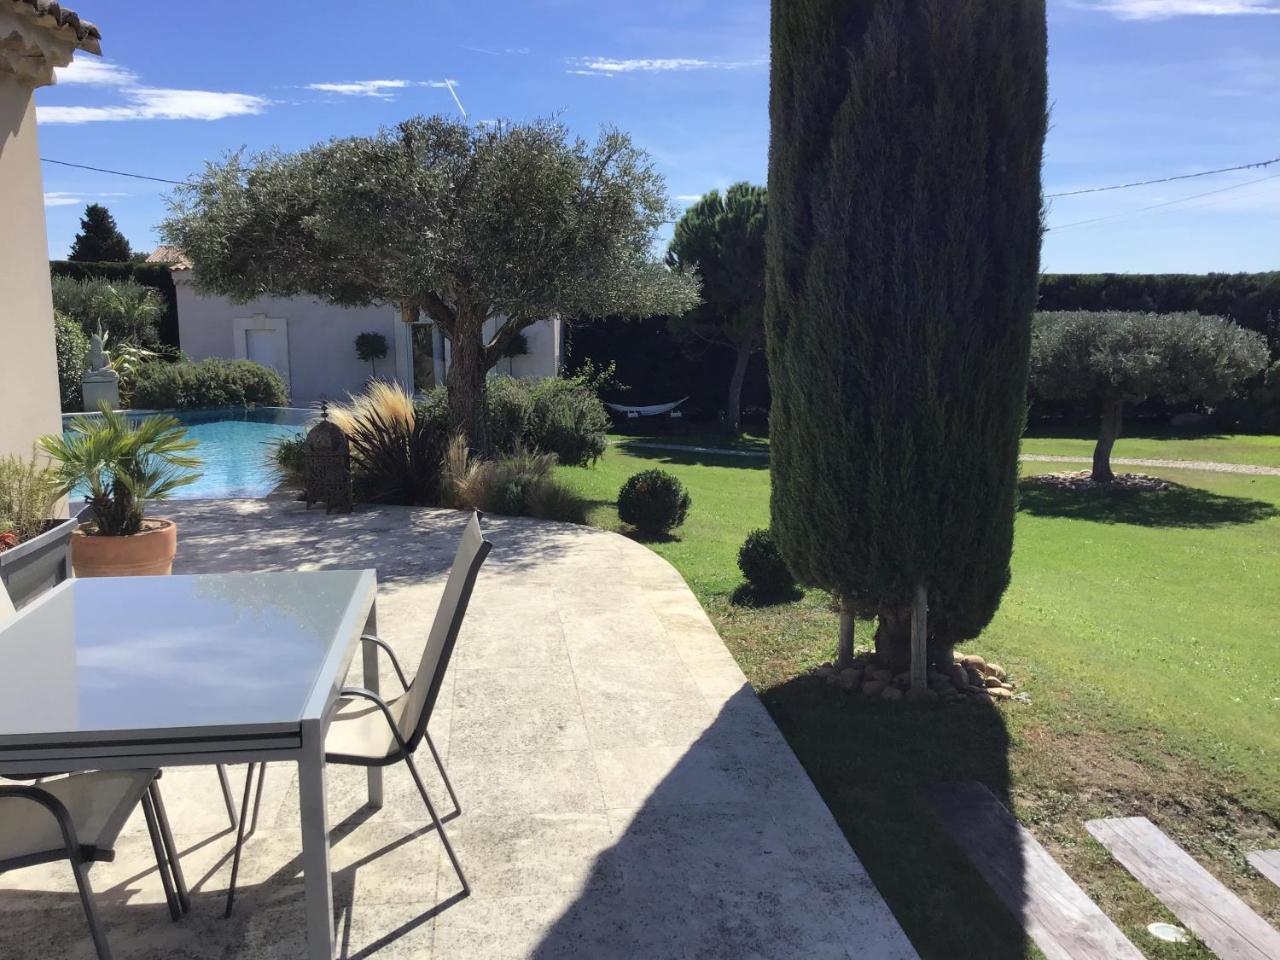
(465, 382)
(1112, 421)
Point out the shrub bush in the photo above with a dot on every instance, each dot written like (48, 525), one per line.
(551, 415)
(28, 492)
(156, 276)
(520, 485)
(73, 357)
(761, 563)
(207, 383)
(567, 418)
(287, 458)
(129, 312)
(654, 502)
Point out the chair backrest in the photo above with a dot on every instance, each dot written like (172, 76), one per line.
(420, 699)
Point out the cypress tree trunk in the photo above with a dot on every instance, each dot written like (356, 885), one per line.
(902, 269)
(1112, 422)
(844, 648)
(465, 382)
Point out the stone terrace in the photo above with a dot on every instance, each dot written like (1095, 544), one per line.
(624, 793)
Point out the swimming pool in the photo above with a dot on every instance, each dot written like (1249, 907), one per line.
(234, 444)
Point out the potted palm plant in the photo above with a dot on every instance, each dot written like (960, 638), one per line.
(120, 467)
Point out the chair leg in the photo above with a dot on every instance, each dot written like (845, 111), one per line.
(162, 861)
(257, 796)
(171, 849)
(226, 796)
(435, 820)
(81, 871)
(453, 797)
(240, 836)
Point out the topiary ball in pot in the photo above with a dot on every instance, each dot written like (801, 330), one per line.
(653, 501)
(761, 563)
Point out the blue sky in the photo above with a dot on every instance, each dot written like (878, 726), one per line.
(1140, 89)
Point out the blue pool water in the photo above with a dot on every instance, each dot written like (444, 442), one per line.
(235, 447)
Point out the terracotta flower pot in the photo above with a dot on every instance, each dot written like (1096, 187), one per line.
(139, 554)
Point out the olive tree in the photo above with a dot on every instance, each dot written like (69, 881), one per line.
(505, 222)
(721, 238)
(1114, 358)
(903, 259)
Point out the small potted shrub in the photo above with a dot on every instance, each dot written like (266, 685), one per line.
(371, 347)
(34, 548)
(121, 466)
(654, 502)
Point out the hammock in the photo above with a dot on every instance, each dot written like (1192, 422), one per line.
(653, 410)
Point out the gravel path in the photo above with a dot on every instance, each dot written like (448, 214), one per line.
(1205, 465)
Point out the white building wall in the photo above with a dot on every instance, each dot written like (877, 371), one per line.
(320, 337)
(29, 404)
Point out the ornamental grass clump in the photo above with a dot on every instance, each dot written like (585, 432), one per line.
(28, 491)
(395, 452)
(654, 502)
(521, 485)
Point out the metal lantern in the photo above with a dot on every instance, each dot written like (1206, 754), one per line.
(328, 465)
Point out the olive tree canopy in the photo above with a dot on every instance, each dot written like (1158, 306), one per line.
(1114, 358)
(510, 222)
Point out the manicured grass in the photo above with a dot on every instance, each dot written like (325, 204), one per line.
(1142, 444)
(1143, 629)
(1260, 450)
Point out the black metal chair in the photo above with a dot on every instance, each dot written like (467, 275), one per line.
(79, 818)
(368, 731)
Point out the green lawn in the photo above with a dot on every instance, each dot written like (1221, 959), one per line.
(1144, 630)
(1144, 444)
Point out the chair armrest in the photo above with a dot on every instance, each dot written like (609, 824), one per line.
(361, 693)
(75, 851)
(370, 638)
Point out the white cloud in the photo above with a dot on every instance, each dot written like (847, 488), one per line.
(687, 197)
(63, 198)
(1165, 9)
(154, 103)
(143, 102)
(604, 66)
(98, 73)
(373, 88)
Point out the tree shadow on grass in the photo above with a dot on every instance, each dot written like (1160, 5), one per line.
(872, 762)
(1175, 506)
(747, 595)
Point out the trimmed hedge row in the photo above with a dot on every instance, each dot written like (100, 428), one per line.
(208, 383)
(1250, 299)
(155, 275)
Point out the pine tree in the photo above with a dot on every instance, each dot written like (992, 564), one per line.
(99, 239)
(722, 238)
(903, 255)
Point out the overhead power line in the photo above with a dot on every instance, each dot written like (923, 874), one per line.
(1167, 203)
(118, 173)
(1146, 183)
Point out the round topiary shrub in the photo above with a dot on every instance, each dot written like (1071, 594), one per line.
(653, 501)
(761, 563)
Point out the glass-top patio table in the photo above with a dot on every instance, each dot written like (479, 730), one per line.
(138, 672)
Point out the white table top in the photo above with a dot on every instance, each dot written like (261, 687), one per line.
(128, 659)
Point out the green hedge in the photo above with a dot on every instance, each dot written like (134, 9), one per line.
(208, 383)
(1250, 299)
(157, 275)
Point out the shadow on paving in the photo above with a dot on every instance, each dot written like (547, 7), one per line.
(730, 854)
(871, 761)
(1176, 506)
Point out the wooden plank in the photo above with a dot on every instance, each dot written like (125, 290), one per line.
(1064, 923)
(1207, 908)
(1267, 863)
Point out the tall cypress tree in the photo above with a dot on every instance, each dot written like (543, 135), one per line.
(903, 256)
(99, 239)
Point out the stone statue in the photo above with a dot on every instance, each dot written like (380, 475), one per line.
(97, 356)
(100, 384)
